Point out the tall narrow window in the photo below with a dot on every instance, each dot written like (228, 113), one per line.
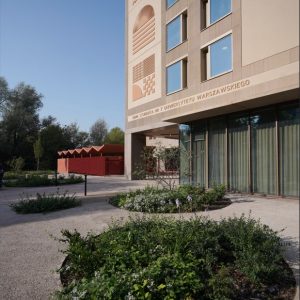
(177, 76)
(214, 10)
(185, 153)
(217, 58)
(263, 151)
(176, 31)
(216, 157)
(199, 154)
(238, 166)
(289, 132)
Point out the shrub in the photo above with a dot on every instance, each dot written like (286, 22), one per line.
(42, 180)
(17, 164)
(22, 174)
(184, 198)
(45, 203)
(156, 258)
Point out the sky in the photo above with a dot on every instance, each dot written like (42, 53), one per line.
(72, 52)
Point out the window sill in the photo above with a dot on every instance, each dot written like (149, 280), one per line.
(171, 93)
(210, 25)
(216, 76)
(169, 50)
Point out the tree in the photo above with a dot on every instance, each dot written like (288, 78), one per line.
(20, 122)
(50, 120)
(98, 132)
(75, 138)
(38, 151)
(53, 140)
(4, 92)
(160, 164)
(115, 136)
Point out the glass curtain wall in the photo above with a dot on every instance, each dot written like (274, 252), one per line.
(263, 152)
(199, 154)
(217, 151)
(289, 152)
(223, 149)
(238, 155)
(185, 153)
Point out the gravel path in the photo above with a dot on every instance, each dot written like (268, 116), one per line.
(29, 254)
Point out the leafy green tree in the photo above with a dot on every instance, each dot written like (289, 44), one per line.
(53, 140)
(50, 120)
(115, 136)
(38, 151)
(75, 138)
(98, 132)
(20, 122)
(4, 92)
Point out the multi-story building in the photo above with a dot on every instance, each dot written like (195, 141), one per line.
(223, 77)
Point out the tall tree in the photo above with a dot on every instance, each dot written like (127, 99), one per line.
(115, 136)
(53, 140)
(20, 122)
(76, 138)
(98, 132)
(46, 121)
(38, 151)
(4, 92)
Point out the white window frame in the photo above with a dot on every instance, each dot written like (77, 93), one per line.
(208, 22)
(208, 58)
(181, 61)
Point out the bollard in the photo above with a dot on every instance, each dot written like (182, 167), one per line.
(85, 184)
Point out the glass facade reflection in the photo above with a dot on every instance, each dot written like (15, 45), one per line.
(185, 153)
(219, 9)
(174, 77)
(171, 2)
(257, 151)
(220, 56)
(174, 35)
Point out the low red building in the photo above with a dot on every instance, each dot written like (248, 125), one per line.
(96, 160)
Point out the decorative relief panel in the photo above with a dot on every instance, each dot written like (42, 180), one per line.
(144, 29)
(143, 78)
(144, 55)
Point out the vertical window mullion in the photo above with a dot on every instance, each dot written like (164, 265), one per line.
(181, 74)
(181, 29)
(250, 185)
(277, 153)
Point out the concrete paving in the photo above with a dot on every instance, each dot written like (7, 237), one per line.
(29, 254)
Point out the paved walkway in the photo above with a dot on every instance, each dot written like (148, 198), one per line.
(29, 254)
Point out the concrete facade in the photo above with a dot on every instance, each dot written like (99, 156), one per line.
(265, 65)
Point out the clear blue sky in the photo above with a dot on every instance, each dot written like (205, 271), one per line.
(71, 51)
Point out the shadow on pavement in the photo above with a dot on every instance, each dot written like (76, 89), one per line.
(90, 206)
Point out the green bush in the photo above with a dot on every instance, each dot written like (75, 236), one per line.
(8, 175)
(184, 198)
(42, 180)
(158, 258)
(45, 203)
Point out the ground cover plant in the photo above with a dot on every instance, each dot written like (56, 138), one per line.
(163, 258)
(32, 180)
(184, 198)
(43, 203)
